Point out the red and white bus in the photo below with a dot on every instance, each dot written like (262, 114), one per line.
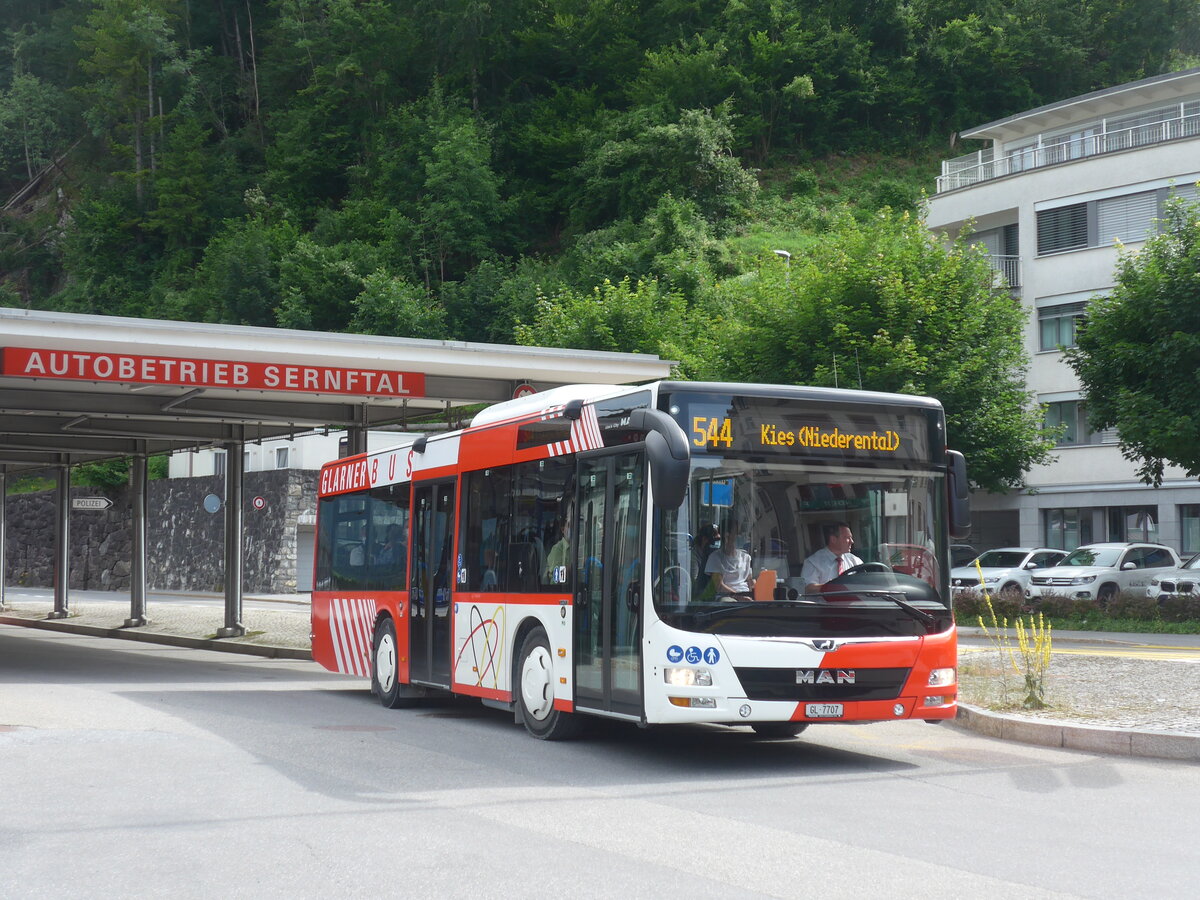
(548, 559)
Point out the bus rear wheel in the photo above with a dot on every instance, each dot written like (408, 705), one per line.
(385, 668)
(535, 691)
(778, 730)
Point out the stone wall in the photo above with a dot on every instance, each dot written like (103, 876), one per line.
(185, 544)
(99, 541)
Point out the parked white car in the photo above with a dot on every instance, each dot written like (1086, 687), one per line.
(1006, 571)
(1184, 580)
(1100, 571)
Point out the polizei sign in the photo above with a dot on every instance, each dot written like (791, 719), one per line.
(208, 373)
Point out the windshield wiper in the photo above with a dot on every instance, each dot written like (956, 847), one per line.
(916, 612)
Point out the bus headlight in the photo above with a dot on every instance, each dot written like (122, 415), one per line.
(941, 677)
(684, 677)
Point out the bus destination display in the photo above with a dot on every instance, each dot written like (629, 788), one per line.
(765, 427)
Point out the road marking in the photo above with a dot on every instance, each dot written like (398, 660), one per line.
(1140, 651)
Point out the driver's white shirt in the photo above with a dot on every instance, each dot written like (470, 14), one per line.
(822, 566)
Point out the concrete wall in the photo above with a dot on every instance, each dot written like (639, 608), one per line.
(185, 544)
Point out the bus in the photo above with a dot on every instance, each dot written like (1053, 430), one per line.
(549, 559)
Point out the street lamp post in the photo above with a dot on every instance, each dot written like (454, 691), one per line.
(787, 258)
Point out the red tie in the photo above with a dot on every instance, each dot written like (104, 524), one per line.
(839, 559)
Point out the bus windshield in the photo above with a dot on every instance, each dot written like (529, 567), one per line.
(764, 513)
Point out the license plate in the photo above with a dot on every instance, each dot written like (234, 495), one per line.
(823, 710)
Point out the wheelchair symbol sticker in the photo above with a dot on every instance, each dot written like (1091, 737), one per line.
(693, 655)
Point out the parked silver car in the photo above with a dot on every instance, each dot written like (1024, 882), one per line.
(1006, 571)
(1184, 580)
(1100, 571)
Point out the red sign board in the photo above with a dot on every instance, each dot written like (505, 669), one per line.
(209, 373)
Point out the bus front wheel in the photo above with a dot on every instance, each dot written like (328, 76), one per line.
(385, 670)
(535, 691)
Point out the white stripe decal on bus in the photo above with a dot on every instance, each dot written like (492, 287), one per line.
(349, 626)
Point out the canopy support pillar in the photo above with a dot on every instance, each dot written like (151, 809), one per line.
(62, 541)
(137, 549)
(234, 466)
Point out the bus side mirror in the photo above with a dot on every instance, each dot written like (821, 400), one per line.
(668, 453)
(958, 496)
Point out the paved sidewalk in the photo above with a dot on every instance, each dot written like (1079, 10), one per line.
(1118, 704)
(183, 620)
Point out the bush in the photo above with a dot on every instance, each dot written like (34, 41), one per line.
(1126, 605)
(968, 606)
(1060, 606)
(1180, 608)
(1005, 607)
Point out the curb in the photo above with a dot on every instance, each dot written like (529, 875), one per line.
(1090, 738)
(151, 637)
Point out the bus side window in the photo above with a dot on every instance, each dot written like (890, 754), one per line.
(541, 491)
(483, 536)
(388, 546)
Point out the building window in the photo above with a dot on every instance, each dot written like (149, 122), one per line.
(1071, 416)
(219, 466)
(1063, 228)
(1099, 223)
(1067, 529)
(281, 457)
(1057, 325)
(1189, 528)
(246, 461)
(1126, 219)
(1133, 523)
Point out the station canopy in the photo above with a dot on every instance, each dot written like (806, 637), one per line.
(83, 388)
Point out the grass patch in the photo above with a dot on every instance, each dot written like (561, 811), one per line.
(1137, 626)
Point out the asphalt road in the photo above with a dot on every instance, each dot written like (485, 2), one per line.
(137, 770)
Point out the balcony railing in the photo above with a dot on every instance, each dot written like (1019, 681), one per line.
(1008, 267)
(984, 166)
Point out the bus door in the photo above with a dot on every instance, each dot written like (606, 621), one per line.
(610, 509)
(431, 577)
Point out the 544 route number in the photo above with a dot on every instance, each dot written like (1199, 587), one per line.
(711, 431)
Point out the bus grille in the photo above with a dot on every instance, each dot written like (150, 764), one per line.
(782, 684)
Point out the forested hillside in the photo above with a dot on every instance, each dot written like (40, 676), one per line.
(601, 173)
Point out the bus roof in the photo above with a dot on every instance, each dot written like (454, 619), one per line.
(559, 396)
(821, 394)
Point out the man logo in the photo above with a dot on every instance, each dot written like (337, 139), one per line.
(824, 644)
(825, 676)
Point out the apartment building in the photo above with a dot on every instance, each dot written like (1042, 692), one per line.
(1052, 197)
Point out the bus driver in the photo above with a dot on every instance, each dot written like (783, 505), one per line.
(831, 560)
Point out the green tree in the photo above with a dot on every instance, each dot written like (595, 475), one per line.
(624, 175)
(238, 279)
(623, 317)
(331, 70)
(882, 305)
(460, 198)
(126, 45)
(30, 125)
(1138, 350)
(392, 306)
(107, 261)
(188, 191)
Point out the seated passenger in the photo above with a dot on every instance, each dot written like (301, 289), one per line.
(559, 556)
(730, 568)
(393, 547)
(358, 553)
(708, 539)
(489, 581)
(831, 560)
